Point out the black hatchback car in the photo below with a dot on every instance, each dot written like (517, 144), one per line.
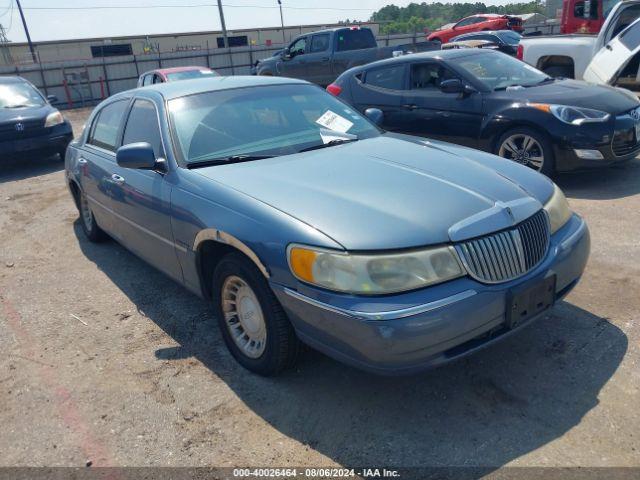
(488, 100)
(29, 125)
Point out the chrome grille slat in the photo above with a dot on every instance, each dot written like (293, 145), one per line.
(508, 254)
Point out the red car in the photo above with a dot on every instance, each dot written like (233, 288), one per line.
(162, 75)
(477, 23)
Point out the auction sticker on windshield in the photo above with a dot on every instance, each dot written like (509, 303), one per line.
(335, 122)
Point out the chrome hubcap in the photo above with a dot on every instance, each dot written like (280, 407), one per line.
(85, 211)
(243, 316)
(523, 149)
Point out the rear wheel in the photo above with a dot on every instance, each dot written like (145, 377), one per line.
(89, 226)
(254, 326)
(527, 147)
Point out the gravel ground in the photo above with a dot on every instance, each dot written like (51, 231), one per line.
(106, 360)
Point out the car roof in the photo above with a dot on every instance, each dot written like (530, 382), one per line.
(335, 29)
(171, 90)
(164, 71)
(445, 55)
(4, 80)
(490, 15)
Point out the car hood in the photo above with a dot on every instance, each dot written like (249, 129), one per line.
(391, 192)
(574, 93)
(12, 115)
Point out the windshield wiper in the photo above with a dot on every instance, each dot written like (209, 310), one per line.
(331, 143)
(227, 160)
(18, 106)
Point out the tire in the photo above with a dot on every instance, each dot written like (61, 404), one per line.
(88, 221)
(256, 329)
(511, 145)
(559, 71)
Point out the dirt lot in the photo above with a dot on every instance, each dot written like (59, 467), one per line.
(106, 360)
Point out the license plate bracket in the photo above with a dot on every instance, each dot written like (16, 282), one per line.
(529, 300)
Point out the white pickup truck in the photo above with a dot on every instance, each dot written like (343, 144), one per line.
(604, 58)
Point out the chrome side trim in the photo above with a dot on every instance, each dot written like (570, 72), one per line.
(388, 315)
(567, 242)
(223, 237)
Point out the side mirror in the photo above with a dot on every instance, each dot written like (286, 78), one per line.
(136, 155)
(286, 54)
(52, 98)
(455, 85)
(375, 115)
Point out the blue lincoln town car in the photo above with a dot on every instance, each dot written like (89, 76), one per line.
(302, 221)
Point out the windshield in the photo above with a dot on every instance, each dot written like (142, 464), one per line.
(20, 94)
(509, 37)
(498, 71)
(273, 120)
(188, 74)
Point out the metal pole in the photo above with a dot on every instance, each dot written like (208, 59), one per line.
(26, 31)
(224, 26)
(284, 40)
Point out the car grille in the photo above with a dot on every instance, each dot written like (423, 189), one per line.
(624, 139)
(507, 254)
(31, 128)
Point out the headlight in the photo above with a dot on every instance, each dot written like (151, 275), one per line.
(373, 274)
(573, 115)
(53, 119)
(558, 209)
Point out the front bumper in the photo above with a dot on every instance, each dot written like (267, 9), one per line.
(53, 140)
(406, 333)
(616, 141)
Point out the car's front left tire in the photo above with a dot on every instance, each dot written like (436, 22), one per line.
(254, 326)
(528, 147)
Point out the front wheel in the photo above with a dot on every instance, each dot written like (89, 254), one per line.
(254, 326)
(527, 147)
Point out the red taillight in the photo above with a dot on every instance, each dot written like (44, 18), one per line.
(520, 52)
(334, 89)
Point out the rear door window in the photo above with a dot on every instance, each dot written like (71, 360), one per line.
(392, 77)
(319, 43)
(355, 40)
(105, 128)
(142, 126)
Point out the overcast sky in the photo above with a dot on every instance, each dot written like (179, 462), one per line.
(60, 19)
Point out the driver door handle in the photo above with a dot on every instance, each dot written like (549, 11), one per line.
(410, 106)
(117, 179)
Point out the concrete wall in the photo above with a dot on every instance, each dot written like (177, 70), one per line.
(150, 45)
(86, 82)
